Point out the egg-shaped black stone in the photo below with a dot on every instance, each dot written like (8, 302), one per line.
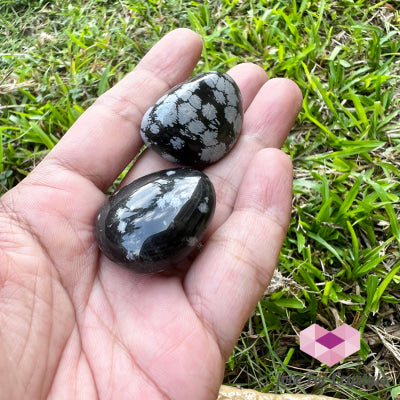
(197, 122)
(157, 220)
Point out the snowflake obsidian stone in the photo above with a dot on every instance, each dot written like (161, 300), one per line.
(197, 122)
(157, 220)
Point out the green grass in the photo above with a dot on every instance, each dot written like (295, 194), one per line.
(340, 260)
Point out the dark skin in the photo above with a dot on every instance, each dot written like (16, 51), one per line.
(75, 325)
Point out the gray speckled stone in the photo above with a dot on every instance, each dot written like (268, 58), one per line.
(157, 220)
(197, 122)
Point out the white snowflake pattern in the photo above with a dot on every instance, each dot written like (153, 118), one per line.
(213, 153)
(209, 111)
(186, 113)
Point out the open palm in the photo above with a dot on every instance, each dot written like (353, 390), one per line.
(75, 325)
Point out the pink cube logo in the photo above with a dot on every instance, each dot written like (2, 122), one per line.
(329, 347)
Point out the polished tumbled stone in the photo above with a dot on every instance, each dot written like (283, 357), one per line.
(197, 122)
(157, 220)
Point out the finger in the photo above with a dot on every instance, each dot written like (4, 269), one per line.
(249, 78)
(271, 111)
(233, 270)
(106, 137)
(267, 123)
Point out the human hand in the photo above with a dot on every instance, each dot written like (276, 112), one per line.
(75, 325)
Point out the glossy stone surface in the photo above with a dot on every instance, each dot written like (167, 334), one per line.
(157, 220)
(197, 122)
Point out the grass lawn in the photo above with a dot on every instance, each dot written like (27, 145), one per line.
(340, 261)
